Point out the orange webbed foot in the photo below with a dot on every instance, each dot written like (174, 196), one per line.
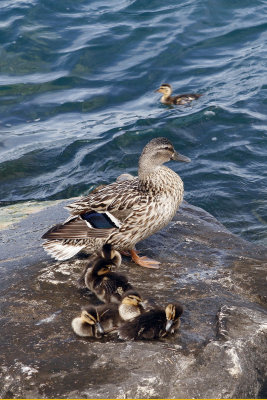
(144, 261)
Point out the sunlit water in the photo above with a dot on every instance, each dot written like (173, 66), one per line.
(77, 101)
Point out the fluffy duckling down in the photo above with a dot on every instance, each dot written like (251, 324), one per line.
(153, 324)
(88, 324)
(108, 286)
(97, 321)
(131, 305)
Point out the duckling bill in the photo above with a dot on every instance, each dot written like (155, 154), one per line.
(123, 213)
(180, 99)
(153, 324)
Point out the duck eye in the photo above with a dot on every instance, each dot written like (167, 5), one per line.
(103, 271)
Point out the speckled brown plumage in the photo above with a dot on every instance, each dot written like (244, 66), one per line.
(140, 207)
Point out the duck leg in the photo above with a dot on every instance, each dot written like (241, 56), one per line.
(144, 261)
(127, 253)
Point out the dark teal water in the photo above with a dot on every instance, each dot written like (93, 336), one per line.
(77, 101)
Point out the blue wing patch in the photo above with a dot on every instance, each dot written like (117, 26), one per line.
(99, 220)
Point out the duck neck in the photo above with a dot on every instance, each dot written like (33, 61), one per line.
(145, 167)
(150, 182)
(146, 172)
(165, 98)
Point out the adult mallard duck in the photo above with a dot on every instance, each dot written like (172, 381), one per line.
(180, 99)
(153, 324)
(123, 213)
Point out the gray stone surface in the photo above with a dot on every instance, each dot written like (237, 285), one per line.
(219, 352)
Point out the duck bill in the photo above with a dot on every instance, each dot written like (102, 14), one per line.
(179, 157)
(144, 304)
(169, 324)
(99, 328)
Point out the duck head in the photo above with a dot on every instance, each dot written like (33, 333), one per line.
(157, 152)
(90, 316)
(131, 305)
(173, 313)
(102, 268)
(165, 89)
(132, 298)
(111, 256)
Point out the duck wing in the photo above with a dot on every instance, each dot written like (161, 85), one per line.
(118, 198)
(76, 228)
(100, 214)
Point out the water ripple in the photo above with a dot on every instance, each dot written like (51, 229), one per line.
(77, 103)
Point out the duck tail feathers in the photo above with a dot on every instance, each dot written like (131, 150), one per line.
(61, 251)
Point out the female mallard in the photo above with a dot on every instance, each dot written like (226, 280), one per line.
(180, 99)
(153, 324)
(123, 213)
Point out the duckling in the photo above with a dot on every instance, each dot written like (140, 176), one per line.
(181, 99)
(97, 321)
(131, 305)
(109, 317)
(88, 323)
(108, 286)
(112, 257)
(123, 213)
(153, 324)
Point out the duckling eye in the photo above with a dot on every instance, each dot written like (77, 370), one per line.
(88, 318)
(103, 271)
(170, 312)
(136, 298)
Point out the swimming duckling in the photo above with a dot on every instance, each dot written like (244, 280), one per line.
(108, 286)
(131, 305)
(88, 324)
(153, 324)
(181, 99)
